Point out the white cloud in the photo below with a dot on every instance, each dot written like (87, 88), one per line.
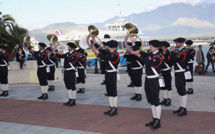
(193, 22)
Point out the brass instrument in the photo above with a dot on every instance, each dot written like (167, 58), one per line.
(132, 31)
(54, 42)
(26, 39)
(95, 32)
(212, 52)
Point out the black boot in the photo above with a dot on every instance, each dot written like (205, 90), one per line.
(6, 94)
(103, 83)
(72, 103)
(150, 124)
(177, 111)
(2, 94)
(134, 97)
(163, 102)
(106, 94)
(113, 112)
(130, 85)
(68, 102)
(168, 102)
(182, 112)
(80, 90)
(45, 97)
(156, 124)
(50, 88)
(139, 97)
(108, 112)
(83, 90)
(40, 97)
(190, 91)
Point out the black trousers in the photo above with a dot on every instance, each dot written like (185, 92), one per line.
(136, 77)
(51, 74)
(180, 83)
(21, 61)
(129, 69)
(190, 68)
(69, 79)
(152, 91)
(111, 84)
(167, 80)
(4, 75)
(208, 63)
(102, 67)
(81, 75)
(42, 76)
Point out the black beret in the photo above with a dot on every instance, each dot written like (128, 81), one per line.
(189, 42)
(154, 43)
(165, 44)
(180, 40)
(42, 44)
(49, 49)
(104, 43)
(71, 44)
(81, 50)
(112, 43)
(129, 44)
(106, 36)
(3, 47)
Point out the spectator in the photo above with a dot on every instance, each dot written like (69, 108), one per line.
(200, 59)
(20, 56)
(209, 60)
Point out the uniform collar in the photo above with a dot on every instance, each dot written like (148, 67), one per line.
(113, 51)
(155, 52)
(71, 52)
(42, 51)
(181, 48)
(4, 52)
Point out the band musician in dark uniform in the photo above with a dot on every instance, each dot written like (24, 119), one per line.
(191, 53)
(70, 62)
(52, 58)
(41, 57)
(154, 63)
(81, 66)
(111, 65)
(166, 73)
(4, 57)
(180, 60)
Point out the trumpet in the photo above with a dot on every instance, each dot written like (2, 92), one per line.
(26, 39)
(93, 31)
(132, 31)
(53, 42)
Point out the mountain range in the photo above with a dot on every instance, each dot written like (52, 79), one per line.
(167, 21)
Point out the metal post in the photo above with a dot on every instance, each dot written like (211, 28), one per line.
(96, 67)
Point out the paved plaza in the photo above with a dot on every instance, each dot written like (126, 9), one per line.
(21, 112)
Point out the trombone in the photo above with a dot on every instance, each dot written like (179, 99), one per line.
(132, 31)
(93, 31)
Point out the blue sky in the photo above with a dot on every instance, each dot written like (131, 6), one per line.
(39, 13)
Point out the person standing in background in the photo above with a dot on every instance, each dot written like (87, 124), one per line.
(200, 59)
(209, 60)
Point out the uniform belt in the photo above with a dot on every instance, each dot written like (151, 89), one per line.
(136, 68)
(166, 69)
(42, 66)
(80, 67)
(152, 76)
(128, 62)
(179, 71)
(51, 65)
(190, 62)
(67, 69)
(110, 71)
(3, 65)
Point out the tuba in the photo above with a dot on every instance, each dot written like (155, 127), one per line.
(54, 42)
(95, 32)
(26, 40)
(83, 43)
(132, 31)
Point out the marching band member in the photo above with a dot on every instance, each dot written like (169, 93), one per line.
(102, 61)
(153, 62)
(136, 71)
(180, 60)
(4, 57)
(70, 61)
(192, 54)
(81, 66)
(128, 60)
(41, 57)
(52, 58)
(111, 65)
(166, 73)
